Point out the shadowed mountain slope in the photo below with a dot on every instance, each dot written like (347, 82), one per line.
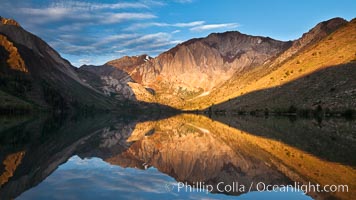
(35, 73)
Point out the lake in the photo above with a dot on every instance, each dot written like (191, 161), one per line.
(182, 156)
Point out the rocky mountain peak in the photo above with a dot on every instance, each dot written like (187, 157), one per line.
(230, 44)
(233, 44)
(6, 21)
(332, 24)
(314, 35)
(321, 30)
(128, 63)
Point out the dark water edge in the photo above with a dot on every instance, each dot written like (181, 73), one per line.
(223, 148)
(331, 138)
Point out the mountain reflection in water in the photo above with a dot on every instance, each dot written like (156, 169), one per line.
(117, 158)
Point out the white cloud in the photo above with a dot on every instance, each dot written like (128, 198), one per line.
(137, 26)
(80, 6)
(156, 37)
(114, 38)
(111, 18)
(189, 24)
(46, 14)
(83, 61)
(153, 2)
(122, 5)
(123, 44)
(149, 44)
(78, 49)
(122, 51)
(75, 26)
(183, 1)
(52, 14)
(82, 12)
(214, 26)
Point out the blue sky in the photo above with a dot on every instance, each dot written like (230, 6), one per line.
(94, 32)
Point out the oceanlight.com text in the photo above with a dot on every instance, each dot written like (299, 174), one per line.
(236, 187)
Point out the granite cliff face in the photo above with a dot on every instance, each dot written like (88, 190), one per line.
(201, 64)
(109, 80)
(194, 67)
(129, 65)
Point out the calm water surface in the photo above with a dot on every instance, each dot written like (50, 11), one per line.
(177, 157)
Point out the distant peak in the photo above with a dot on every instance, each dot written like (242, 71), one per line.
(128, 63)
(225, 33)
(331, 24)
(321, 30)
(6, 21)
(133, 58)
(336, 19)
